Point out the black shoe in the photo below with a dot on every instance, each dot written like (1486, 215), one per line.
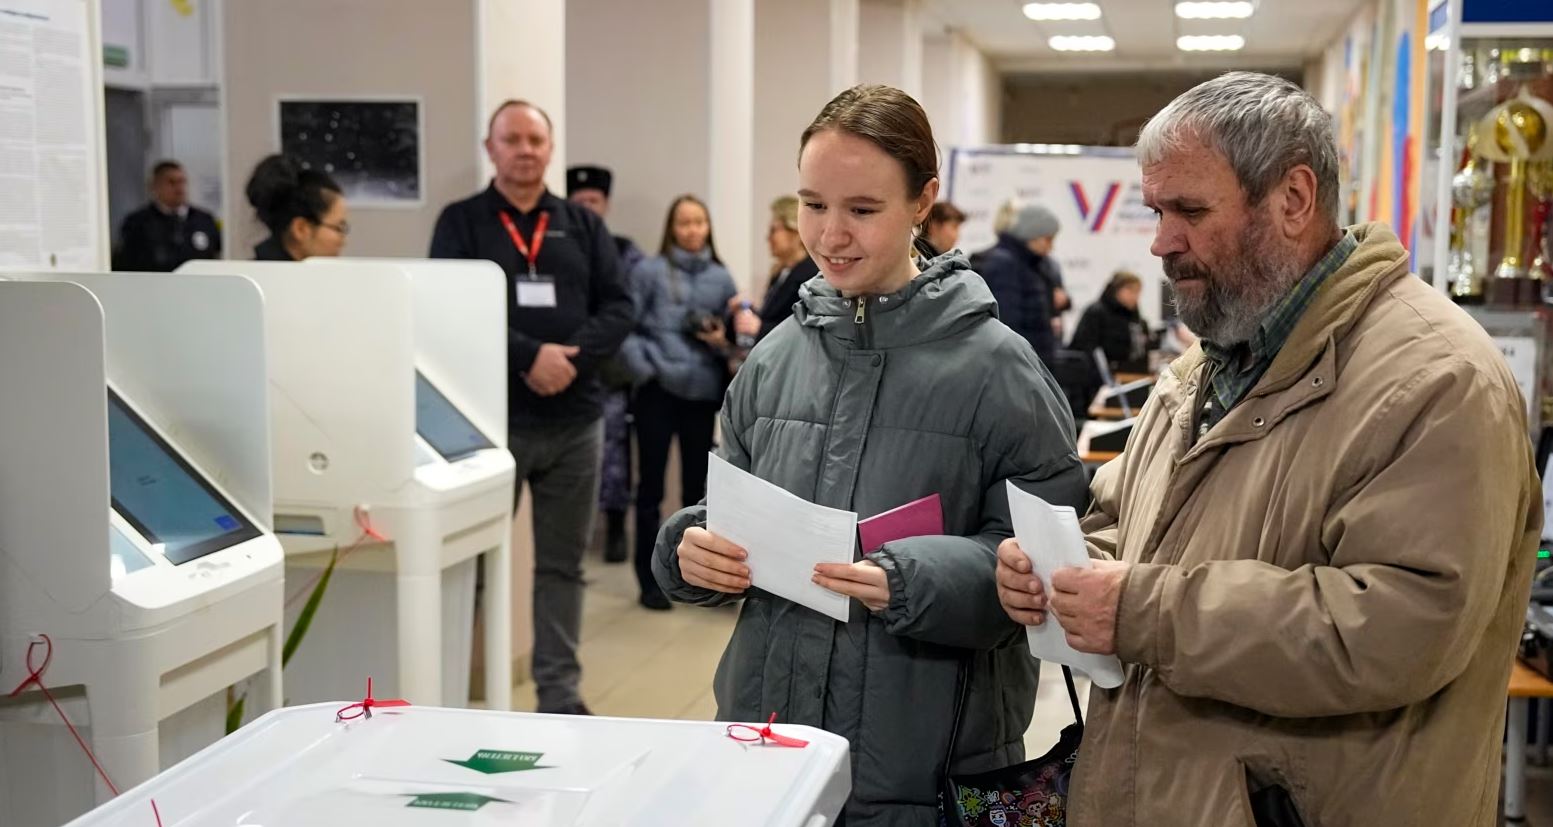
(615, 537)
(656, 601)
(578, 708)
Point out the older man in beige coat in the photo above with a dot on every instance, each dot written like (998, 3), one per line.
(1318, 543)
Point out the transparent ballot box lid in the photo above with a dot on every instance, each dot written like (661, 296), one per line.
(299, 767)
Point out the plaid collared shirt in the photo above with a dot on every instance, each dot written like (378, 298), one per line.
(1234, 371)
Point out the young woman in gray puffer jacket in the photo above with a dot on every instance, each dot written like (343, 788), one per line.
(889, 384)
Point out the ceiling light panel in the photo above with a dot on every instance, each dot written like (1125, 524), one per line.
(1062, 11)
(1082, 43)
(1215, 10)
(1211, 43)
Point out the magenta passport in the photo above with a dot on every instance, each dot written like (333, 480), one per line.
(921, 518)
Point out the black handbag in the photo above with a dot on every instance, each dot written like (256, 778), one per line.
(1031, 794)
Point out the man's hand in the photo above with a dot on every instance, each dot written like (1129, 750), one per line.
(552, 371)
(1085, 602)
(1019, 590)
(863, 580)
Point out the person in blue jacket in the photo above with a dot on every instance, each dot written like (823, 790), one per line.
(679, 353)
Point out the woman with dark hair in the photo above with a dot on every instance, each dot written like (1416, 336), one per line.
(1114, 325)
(895, 381)
(304, 210)
(941, 232)
(679, 354)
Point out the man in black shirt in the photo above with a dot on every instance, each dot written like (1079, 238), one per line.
(567, 311)
(165, 233)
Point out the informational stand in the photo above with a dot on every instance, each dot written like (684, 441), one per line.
(139, 577)
(412, 766)
(389, 409)
(1096, 194)
(54, 207)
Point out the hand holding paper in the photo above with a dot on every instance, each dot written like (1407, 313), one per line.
(1085, 603)
(785, 536)
(1050, 536)
(708, 561)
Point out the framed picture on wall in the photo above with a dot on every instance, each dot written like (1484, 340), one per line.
(371, 146)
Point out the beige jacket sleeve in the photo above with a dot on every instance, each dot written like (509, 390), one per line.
(1418, 545)
(1101, 523)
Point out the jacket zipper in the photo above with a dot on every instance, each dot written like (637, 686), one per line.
(860, 319)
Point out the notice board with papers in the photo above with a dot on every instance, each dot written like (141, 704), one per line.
(53, 202)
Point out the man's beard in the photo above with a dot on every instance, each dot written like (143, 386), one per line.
(1239, 293)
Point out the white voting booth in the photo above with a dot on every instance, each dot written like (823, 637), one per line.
(423, 766)
(388, 404)
(134, 528)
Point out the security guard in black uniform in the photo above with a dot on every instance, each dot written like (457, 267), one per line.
(165, 233)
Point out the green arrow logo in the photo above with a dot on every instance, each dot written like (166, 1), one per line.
(492, 761)
(467, 802)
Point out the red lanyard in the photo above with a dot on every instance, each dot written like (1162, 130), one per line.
(530, 253)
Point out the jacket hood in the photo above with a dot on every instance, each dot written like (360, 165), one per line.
(945, 299)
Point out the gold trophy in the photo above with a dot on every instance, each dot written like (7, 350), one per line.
(1516, 133)
(1471, 188)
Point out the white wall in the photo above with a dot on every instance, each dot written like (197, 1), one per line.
(353, 48)
(962, 93)
(637, 91)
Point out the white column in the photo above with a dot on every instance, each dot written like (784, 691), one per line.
(844, 25)
(961, 91)
(731, 133)
(805, 52)
(521, 54)
(890, 44)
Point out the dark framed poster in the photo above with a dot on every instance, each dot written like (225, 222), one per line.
(371, 146)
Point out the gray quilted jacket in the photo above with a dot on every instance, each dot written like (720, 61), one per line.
(929, 393)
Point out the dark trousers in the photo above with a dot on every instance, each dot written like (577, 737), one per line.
(615, 472)
(660, 417)
(560, 465)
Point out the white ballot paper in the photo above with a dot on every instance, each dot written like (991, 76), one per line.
(1050, 536)
(785, 535)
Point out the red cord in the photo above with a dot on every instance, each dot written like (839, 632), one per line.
(35, 678)
(368, 531)
(366, 705)
(765, 733)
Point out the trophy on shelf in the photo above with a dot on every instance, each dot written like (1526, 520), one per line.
(1540, 180)
(1471, 188)
(1516, 133)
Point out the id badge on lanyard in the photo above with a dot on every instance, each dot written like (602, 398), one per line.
(531, 289)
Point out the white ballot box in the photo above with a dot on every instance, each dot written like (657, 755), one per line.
(389, 410)
(139, 577)
(410, 766)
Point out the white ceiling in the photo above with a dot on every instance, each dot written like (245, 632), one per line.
(1281, 34)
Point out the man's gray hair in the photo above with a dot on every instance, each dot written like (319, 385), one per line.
(1263, 125)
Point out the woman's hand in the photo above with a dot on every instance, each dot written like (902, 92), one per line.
(711, 562)
(713, 334)
(863, 580)
(746, 323)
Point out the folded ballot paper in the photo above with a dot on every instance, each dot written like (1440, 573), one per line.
(1050, 536)
(785, 535)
